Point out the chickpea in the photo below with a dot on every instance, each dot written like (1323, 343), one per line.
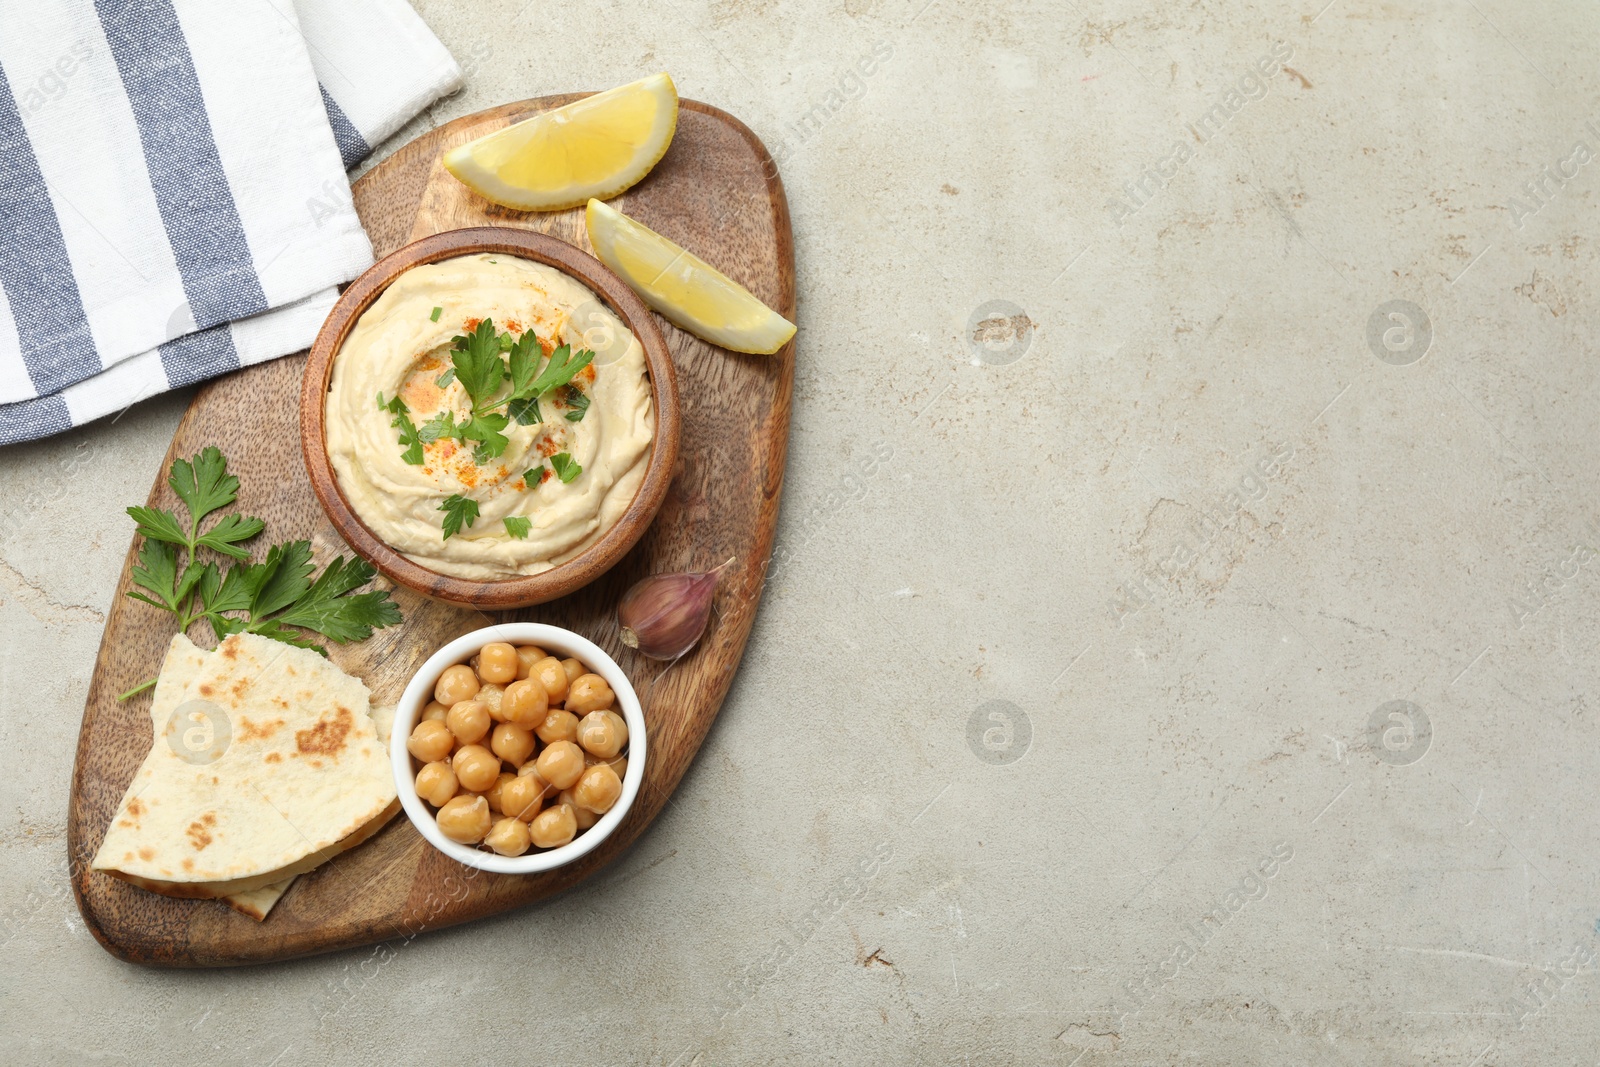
(493, 697)
(589, 693)
(558, 725)
(620, 725)
(582, 816)
(464, 819)
(548, 673)
(456, 684)
(523, 796)
(598, 734)
(476, 767)
(512, 743)
(531, 770)
(436, 783)
(525, 703)
(561, 764)
(616, 763)
(431, 740)
(554, 826)
(573, 669)
(493, 793)
(598, 789)
(469, 721)
(509, 837)
(498, 663)
(435, 712)
(527, 656)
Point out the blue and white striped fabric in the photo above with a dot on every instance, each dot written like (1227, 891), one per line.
(173, 196)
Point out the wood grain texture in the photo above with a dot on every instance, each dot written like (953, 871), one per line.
(527, 590)
(716, 192)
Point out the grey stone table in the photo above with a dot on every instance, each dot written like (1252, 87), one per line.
(1184, 651)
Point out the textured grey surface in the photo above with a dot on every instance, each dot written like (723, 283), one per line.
(1186, 543)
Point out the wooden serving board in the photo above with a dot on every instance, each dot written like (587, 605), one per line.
(717, 193)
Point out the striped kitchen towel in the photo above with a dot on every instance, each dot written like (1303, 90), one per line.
(173, 196)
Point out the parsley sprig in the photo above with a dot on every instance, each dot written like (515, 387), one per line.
(483, 361)
(275, 598)
(408, 429)
(577, 403)
(565, 466)
(458, 511)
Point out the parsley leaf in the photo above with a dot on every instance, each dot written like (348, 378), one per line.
(523, 364)
(525, 409)
(436, 313)
(563, 365)
(225, 536)
(533, 476)
(203, 484)
(282, 579)
(408, 430)
(328, 608)
(565, 466)
(157, 572)
(191, 578)
(458, 510)
(159, 525)
(485, 429)
(224, 594)
(210, 584)
(442, 425)
(518, 526)
(578, 402)
(477, 362)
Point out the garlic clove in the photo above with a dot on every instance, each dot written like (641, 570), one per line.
(664, 615)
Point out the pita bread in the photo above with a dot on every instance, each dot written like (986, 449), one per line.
(256, 903)
(265, 764)
(183, 662)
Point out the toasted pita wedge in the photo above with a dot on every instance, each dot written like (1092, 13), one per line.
(256, 903)
(263, 767)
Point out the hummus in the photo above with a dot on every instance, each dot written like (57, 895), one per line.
(402, 346)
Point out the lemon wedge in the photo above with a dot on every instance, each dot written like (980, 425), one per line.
(683, 287)
(594, 147)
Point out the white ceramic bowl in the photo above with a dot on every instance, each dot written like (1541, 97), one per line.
(558, 642)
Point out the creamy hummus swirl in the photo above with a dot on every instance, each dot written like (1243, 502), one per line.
(398, 347)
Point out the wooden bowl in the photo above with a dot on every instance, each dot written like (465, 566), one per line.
(524, 590)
